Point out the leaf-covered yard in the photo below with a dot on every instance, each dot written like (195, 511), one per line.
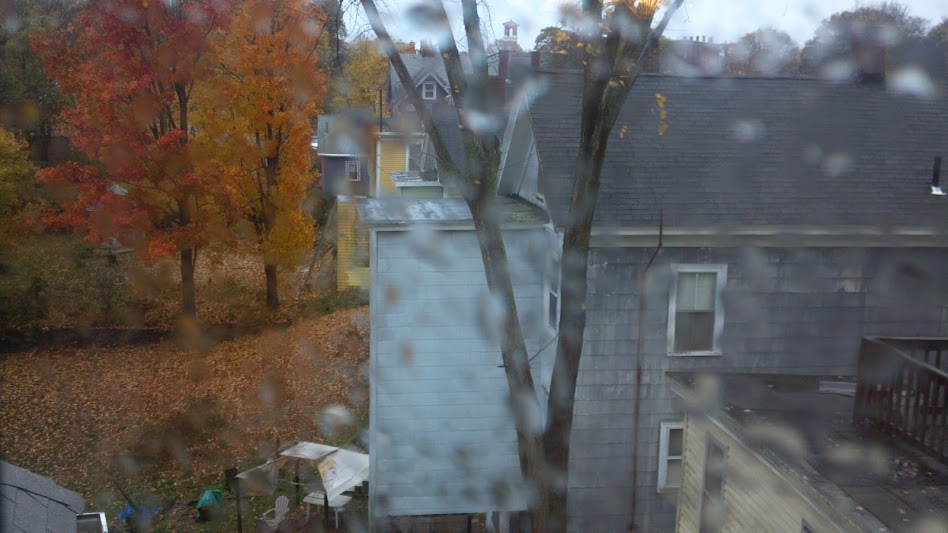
(169, 416)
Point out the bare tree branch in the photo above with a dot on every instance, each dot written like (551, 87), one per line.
(447, 164)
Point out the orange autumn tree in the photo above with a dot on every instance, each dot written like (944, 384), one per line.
(129, 67)
(254, 118)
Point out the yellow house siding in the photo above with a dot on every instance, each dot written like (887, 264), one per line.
(352, 248)
(391, 159)
(755, 496)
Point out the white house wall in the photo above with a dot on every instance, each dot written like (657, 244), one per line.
(442, 436)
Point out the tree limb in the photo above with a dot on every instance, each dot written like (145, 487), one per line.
(388, 47)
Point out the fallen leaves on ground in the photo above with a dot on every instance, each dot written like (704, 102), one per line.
(75, 414)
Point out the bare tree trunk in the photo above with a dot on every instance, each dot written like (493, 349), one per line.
(544, 458)
(572, 325)
(188, 305)
(273, 296)
(609, 76)
(523, 399)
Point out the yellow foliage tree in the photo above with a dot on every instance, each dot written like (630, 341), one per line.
(364, 74)
(16, 177)
(254, 127)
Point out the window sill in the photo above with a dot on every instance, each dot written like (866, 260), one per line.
(704, 353)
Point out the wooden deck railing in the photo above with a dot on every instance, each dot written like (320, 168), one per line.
(902, 390)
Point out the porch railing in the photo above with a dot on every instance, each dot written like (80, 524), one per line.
(902, 390)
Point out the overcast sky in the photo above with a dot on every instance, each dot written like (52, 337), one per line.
(723, 21)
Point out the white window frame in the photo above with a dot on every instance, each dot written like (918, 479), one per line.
(720, 282)
(424, 90)
(549, 290)
(358, 171)
(663, 457)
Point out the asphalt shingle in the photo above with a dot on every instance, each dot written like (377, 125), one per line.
(32, 503)
(751, 151)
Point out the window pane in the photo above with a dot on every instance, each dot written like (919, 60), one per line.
(555, 274)
(696, 291)
(414, 156)
(675, 441)
(685, 300)
(554, 302)
(694, 331)
(673, 473)
(705, 283)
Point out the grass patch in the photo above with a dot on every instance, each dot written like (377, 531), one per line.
(337, 301)
(52, 280)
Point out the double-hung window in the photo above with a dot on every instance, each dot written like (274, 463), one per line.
(695, 312)
(429, 90)
(352, 170)
(670, 444)
(553, 294)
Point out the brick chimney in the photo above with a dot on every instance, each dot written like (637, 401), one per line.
(868, 54)
(652, 63)
(503, 58)
(427, 49)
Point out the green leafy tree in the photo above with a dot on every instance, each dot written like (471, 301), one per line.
(29, 100)
(559, 48)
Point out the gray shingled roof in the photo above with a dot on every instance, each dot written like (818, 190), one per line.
(751, 151)
(30, 502)
(419, 67)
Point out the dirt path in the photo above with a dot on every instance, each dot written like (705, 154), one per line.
(175, 412)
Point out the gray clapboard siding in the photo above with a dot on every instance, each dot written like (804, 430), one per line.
(798, 310)
(442, 434)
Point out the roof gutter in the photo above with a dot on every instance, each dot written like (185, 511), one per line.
(717, 236)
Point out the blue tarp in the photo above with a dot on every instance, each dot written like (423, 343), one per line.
(129, 511)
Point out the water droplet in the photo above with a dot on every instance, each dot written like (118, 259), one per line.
(748, 130)
(912, 80)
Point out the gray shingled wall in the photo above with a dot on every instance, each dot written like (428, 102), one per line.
(786, 310)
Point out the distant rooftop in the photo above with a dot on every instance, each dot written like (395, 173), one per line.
(30, 502)
(789, 420)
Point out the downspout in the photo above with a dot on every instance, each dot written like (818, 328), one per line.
(640, 341)
(378, 164)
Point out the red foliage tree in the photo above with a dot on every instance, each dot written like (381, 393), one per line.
(128, 67)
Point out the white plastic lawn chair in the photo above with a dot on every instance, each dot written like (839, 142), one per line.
(279, 511)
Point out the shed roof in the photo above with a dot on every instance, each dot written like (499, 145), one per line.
(403, 212)
(750, 151)
(30, 502)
